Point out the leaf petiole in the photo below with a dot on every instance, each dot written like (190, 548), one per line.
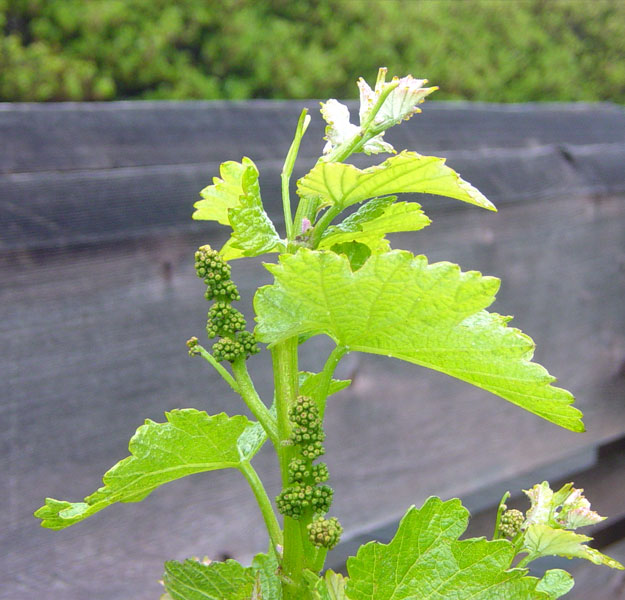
(250, 396)
(327, 372)
(269, 516)
(206, 355)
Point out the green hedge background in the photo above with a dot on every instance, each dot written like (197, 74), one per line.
(492, 50)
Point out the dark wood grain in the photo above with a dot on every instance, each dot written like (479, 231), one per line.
(48, 137)
(51, 210)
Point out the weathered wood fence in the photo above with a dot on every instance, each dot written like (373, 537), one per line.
(98, 295)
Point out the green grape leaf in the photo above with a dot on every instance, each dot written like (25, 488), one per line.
(266, 568)
(189, 442)
(356, 253)
(329, 587)
(252, 439)
(194, 580)
(332, 586)
(425, 560)
(253, 231)
(340, 184)
(309, 383)
(370, 224)
(542, 540)
(555, 583)
(429, 314)
(225, 193)
(235, 200)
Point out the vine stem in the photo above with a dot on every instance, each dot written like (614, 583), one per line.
(323, 223)
(298, 552)
(271, 522)
(205, 354)
(252, 399)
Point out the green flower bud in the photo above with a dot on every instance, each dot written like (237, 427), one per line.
(511, 522)
(320, 473)
(248, 342)
(305, 413)
(215, 272)
(227, 349)
(293, 501)
(224, 319)
(322, 499)
(192, 344)
(299, 470)
(324, 533)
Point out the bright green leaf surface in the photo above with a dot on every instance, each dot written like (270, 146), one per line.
(356, 253)
(426, 561)
(374, 220)
(193, 580)
(253, 231)
(189, 442)
(343, 184)
(225, 193)
(399, 305)
(555, 583)
(329, 587)
(309, 383)
(235, 200)
(266, 567)
(542, 540)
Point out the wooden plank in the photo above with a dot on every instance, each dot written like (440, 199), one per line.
(94, 343)
(46, 210)
(68, 136)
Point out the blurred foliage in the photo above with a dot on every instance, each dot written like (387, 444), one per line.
(495, 50)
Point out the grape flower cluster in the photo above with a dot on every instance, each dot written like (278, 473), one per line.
(224, 321)
(307, 496)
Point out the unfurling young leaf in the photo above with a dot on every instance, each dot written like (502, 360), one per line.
(235, 200)
(542, 540)
(555, 583)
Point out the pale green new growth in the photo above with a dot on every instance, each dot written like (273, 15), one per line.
(235, 200)
(341, 185)
(399, 305)
(555, 583)
(425, 560)
(370, 224)
(542, 540)
(329, 587)
(309, 384)
(190, 442)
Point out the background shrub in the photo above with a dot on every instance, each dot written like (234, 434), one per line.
(506, 51)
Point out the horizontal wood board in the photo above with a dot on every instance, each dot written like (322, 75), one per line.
(98, 294)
